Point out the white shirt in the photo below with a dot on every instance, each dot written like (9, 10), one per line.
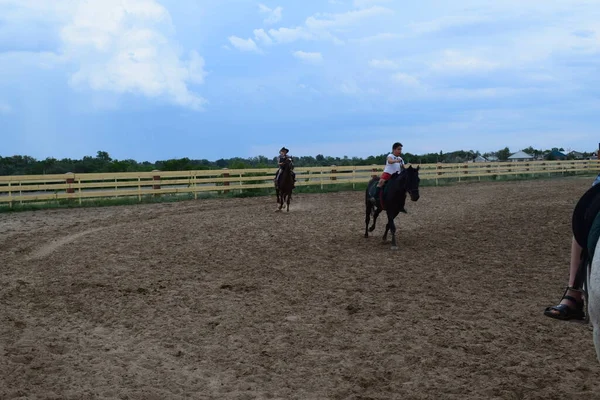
(395, 167)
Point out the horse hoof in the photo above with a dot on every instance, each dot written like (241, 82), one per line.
(366, 235)
(394, 248)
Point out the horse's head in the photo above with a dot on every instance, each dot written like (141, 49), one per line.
(287, 164)
(411, 176)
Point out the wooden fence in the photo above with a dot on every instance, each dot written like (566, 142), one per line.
(28, 188)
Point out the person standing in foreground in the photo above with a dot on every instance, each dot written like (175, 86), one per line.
(571, 304)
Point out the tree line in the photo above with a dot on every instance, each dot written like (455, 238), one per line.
(103, 162)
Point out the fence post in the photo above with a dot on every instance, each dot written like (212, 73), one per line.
(333, 171)
(321, 178)
(156, 179)
(195, 187)
(226, 175)
(374, 170)
(70, 181)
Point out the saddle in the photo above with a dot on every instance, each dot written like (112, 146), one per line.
(383, 190)
(373, 190)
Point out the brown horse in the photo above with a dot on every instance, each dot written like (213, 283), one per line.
(284, 185)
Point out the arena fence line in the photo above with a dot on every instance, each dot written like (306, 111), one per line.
(81, 186)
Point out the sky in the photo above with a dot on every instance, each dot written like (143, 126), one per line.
(205, 79)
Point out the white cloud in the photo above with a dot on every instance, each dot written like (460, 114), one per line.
(288, 35)
(446, 22)
(312, 58)
(383, 64)
(44, 59)
(377, 38)
(120, 46)
(243, 44)
(261, 36)
(343, 20)
(323, 26)
(405, 79)
(544, 43)
(368, 3)
(455, 61)
(479, 93)
(273, 15)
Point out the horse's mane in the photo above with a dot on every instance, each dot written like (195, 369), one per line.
(401, 178)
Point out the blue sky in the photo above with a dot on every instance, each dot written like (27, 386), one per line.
(158, 79)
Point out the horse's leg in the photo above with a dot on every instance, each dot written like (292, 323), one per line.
(393, 229)
(387, 228)
(375, 215)
(279, 200)
(289, 198)
(368, 218)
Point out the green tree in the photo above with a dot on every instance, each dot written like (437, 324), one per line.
(503, 154)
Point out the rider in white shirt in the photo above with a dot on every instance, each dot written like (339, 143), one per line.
(393, 165)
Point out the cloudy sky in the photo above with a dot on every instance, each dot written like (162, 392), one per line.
(157, 79)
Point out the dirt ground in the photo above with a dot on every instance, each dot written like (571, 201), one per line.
(226, 299)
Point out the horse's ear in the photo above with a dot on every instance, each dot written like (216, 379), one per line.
(418, 167)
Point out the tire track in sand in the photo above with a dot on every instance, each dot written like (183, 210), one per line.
(51, 247)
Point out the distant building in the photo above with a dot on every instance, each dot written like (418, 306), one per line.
(492, 158)
(520, 156)
(480, 159)
(576, 155)
(556, 155)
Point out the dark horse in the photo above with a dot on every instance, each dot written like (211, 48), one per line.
(284, 185)
(392, 199)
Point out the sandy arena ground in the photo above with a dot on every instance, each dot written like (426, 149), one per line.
(226, 299)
